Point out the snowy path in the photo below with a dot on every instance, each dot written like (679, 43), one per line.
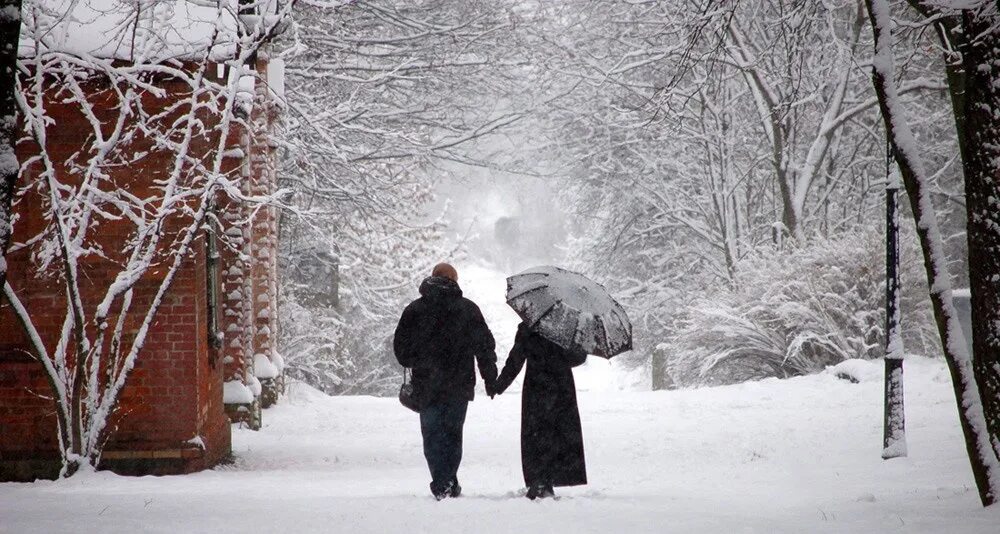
(800, 455)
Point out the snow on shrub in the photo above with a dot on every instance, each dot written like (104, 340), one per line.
(796, 312)
(857, 371)
(278, 361)
(263, 368)
(254, 385)
(235, 392)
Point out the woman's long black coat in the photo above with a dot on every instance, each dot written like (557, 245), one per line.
(551, 437)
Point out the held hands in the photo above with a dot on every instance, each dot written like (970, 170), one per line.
(491, 389)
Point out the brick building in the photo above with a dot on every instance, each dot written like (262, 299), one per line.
(209, 351)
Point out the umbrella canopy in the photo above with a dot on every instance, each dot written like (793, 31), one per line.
(570, 310)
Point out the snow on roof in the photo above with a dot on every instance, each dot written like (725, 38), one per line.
(147, 30)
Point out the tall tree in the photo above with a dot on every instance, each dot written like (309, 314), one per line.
(981, 163)
(10, 30)
(970, 38)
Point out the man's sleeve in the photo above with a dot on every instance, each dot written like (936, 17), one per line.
(403, 342)
(484, 347)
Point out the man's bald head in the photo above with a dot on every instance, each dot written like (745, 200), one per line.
(445, 270)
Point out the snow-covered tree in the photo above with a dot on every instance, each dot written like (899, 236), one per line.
(698, 134)
(339, 343)
(378, 94)
(970, 39)
(155, 81)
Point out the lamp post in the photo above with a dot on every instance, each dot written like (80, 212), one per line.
(894, 429)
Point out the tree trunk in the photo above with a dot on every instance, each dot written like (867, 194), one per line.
(10, 29)
(982, 456)
(981, 136)
(789, 218)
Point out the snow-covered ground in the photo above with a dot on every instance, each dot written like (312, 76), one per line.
(800, 455)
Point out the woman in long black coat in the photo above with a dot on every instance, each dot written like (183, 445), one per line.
(551, 437)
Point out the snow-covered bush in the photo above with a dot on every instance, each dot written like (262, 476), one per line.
(797, 312)
(338, 353)
(311, 340)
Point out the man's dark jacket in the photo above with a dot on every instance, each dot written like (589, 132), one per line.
(438, 336)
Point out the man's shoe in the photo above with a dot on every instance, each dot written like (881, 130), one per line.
(455, 490)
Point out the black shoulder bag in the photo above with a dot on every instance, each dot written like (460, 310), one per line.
(407, 395)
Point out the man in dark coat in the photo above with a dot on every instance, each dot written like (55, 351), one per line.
(439, 336)
(551, 437)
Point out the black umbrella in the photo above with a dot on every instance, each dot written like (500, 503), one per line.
(570, 310)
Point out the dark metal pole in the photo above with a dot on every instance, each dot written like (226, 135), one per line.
(894, 430)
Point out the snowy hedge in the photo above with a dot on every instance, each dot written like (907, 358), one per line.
(797, 312)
